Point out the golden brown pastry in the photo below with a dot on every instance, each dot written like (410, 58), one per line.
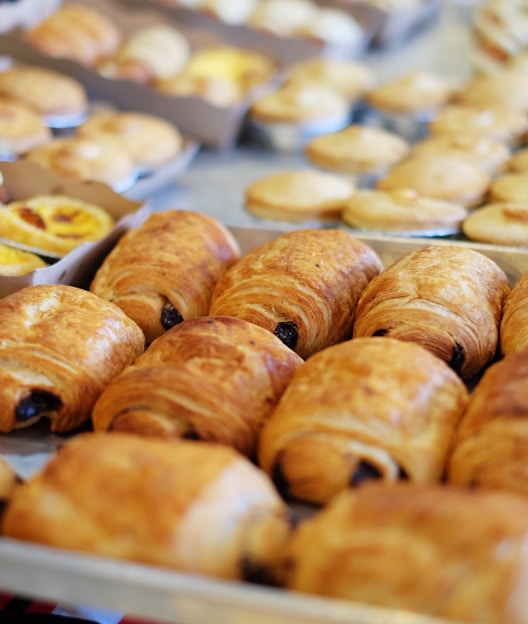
(303, 286)
(8, 481)
(54, 224)
(491, 448)
(441, 551)
(191, 506)
(368, 408)
(21, 128)
(17, 261)
(212, 378)
(514, 323)
(498, 223)
(165, 271)
(60, 346)
(507, 88)
(447, 298)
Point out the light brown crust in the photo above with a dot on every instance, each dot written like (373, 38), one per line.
(449, 299)
(498, 223)
(21, 127)
(514, 323)
(60, 346)
(510, 187)
(307, 281)
(212, 378)
(175, 258)
(184, 505)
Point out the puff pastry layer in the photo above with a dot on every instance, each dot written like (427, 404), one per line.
(514, 322)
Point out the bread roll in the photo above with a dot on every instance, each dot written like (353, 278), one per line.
(514, 323)
(59, 347)
(164, 271)
(303, 286)
(211, 378)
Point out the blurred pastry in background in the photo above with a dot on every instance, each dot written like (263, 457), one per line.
(498, 223)
(507, 88)
(282, 18)
(18, 261)
(217, 91)
(514, 322)
(518, 162)
(510, 187)
(21, 128)
(229, 11)
(332, 27)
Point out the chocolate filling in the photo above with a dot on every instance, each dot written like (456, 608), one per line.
(287, 332)
(457, 358)
(170, 316)
(279, 479)
(255, 572)
(364, 471)
(381, 332)
(37, 403)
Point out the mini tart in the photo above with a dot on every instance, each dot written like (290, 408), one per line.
(499, 224)
(448, 178)
(149, 140)
(17, 261)
(54, 223)
(298, 196)
(21, 128)
(510, 187)
(518, 162)
(506, 88)
(402, 211)
(357, 149)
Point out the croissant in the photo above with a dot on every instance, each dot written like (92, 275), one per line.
(447, 298)
(59, 347)
(191, 506)
(491, 448)
(303, 286)
(442, 551)
(164, 271)
(514, 324)
(8, 481)
(368, 408)
(211, 378)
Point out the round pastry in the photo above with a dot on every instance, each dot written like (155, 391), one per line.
(403, 211)
(77, 32)
(81, 158)
(518, 162)
(514, 323)
(447, 298)
(282, 19)
(17, 261)
(218, 91)
(150, 141)
(510, 188)
(506, 89)
(54, 223)
(498, 224)
(21, 128)
(332, 27)
(296, 196)
(444, 177)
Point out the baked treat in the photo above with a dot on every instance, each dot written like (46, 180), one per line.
(21, 128)
(8, 482)
(298, 195)
(201, 508)
(214, 379)
(442, 551)
(514, 323)
(491, 445)
(403, 211)
(445, 177)
(507, 88)
(447, 298)
(17, 261)
(341, 422)
(76, 32)
(303, 286)
(333, 27)
(47, 91)
(510, 188)
(518, 162)
(227, 11)
(164, 271)
(60, 346)
(498, 223)
(218, 91)
(54, 224)
(275, 17)
(82, 158)
(149, 140)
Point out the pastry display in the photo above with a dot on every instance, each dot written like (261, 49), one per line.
(448, 299)
(303, 286)
(342, 422)
(21, 128)
(17, 261)
(514, 323)
(60, 346)
(298, 195)
(54, 224)
(165, 271)
(507, 88)
(171, 495)
(498, 223)
(215, 379)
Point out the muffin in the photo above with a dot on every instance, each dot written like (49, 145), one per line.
(499, 223)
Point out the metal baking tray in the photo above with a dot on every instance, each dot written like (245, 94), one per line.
(168, 596)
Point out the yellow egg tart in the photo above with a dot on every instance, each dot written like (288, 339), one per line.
(17, 261)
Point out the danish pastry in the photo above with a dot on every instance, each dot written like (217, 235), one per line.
(514, 322)
(447, 298)
(212, 378)
(303, 286)
(165, 271)
(60, 346)
(197, 507)
(371, 408)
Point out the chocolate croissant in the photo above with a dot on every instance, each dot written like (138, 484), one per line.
(514, 324)
(164, 271)
(442, 551)
(447, 298)
(211, 378)
(191, 506)
(368, 408)
(491, 449)
(302, 286)
(59, 347)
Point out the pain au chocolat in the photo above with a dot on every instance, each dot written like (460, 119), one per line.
(447, 298)
(164, 271)
(303, 286)
(514, 322)
(59, 347)
(211, 378)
